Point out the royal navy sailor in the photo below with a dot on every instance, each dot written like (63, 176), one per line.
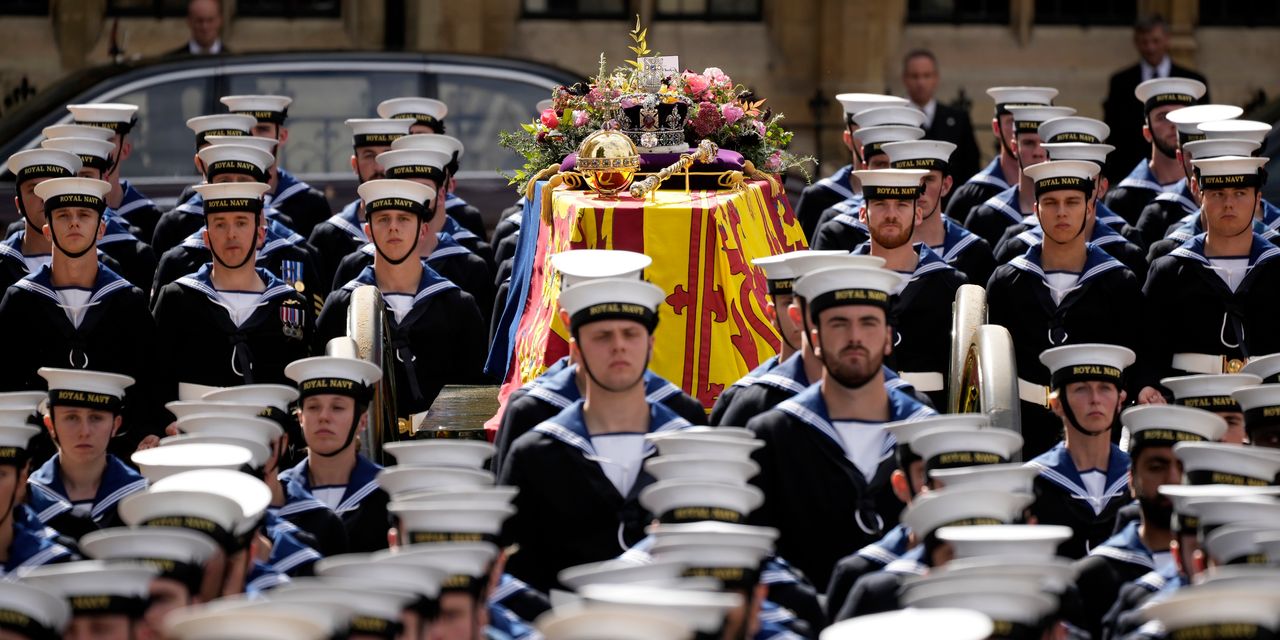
(183, 220)
(462, 221)
(138, 210)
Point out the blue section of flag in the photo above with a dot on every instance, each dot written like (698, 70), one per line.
(504, 339)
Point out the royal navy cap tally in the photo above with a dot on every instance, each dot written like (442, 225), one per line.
(58, 193)
(1237, 544)
(179, 554)
(1214, 513)
(95, 587)
(1201, 611)
(374, 609)
(431, 522)
(1083, 362)
(839, 286)
(76, 131)
(222, 124)
(779, 270)
(1241, 129)
(579, 623)
(116, 116)
(1028, 118)
(239, 159)
(1004, 97)
(1158, 92)
(704, 443)
(256, 621)
(460, 561)
(334, 375)
(419, 579)
(257, 429)
(676, 501)
(1265, 367)
(891, 184)
(43, 163)
(1012, 477)
(614, 571)
(704, 532)
(702, 467)
(950, 448)
(1188, 120)
(161, 462)
(447, 145)
(1184, 495)
(914, 624)
(251, 494)
(424, 111)
(33, 612)
(903, 115)
(1220, 463)
(1211, 392)
(469, 454)
(930, 155)
(873, 139)
(933, 510)
(276, 396)
(1040, 540)
(1074, 129)
(85, 388)
(93, 152)
(422, 164)
(612, 299)
(703, 610)
(736, 566)
(377, 132)
(232, 197)
(208, 514)
(582, 265)
(273, 109)
(259, 453)
(396, 195)
(14, 442)
(404, 478)
(1261, 405)
(1228, 172)
(854, 103)
(1219, 147)
(1163, 425)
(1095, 153)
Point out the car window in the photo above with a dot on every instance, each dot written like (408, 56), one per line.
(479, 108)
(319, 142)
(163, 146)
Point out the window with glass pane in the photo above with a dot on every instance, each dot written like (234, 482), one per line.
(157, 8)
(24, 7)
(709, 9)
(479, 108)
(1086, 12)
(958, 11)
(575, 8)
(1239, 13)
(163, 146)
(319, 142)
(290, 8)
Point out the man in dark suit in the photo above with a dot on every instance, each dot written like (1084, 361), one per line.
(204, 19)
(920, 78)
(1124, 114)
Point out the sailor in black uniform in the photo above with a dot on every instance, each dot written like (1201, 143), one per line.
(1159, 96)
(580, 473)
(1261, 406)
(1208, 303)
(831, 435)
(138, 210)
(1177, 202)
(343, 232)
(25, 543)
(77, 313)
(250, 323)
(1062, 291)
(1003, 170)
(462, 221)
(180, 222)
(436, 330)
(1014, 205)
(1083, 480)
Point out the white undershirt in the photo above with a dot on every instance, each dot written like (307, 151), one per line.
(1161, 70)
(620, 456)
(75, 302)
(862, 444)
(331, 496)
(82, 509)
(1060, 282)
(1162, 560)
(903, 281)
(401, 304)
(1231, 270)
(239, 304)
(34, 262)
(1095, 483)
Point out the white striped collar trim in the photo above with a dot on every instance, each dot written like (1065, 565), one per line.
(662, 393)
(999, 204)
(958, 247)
(830, 184)
(542, 393)
(293, 190)
(778, 381)
(987, 178)
(1079, 492)
(353, 501)
(850, 220)
(293, 560)
(115, 496)
(1122, 555)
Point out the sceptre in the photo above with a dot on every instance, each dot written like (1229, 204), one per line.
(706, 152)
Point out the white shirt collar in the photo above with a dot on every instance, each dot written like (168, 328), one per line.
(929, 110)
(1161, 70)
(195, 50)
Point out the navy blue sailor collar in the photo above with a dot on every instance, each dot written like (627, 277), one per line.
(1056, 466)
(289, 556)
(788, 375)
(1260, 250)
(991, 174)
(1006, 202)
(910, 563)
(287, 186)
(348, 219)
(430, 283)
(1142, 178)
(848, 212)
(810, 408)
(456, 230)
(1096, 263)
(750, 378)
(570, 427)
(927, 260)
(33, 545)
(838, 182)
(49, 499)
(1126, 546)
(1179, 193)
(202, 281)
(889, 548)
(560, 388)
(1268, 228)
(117, 230)
(105, 284)
(297, 482)
(955, 239)
(132, 199)
(1104, 215)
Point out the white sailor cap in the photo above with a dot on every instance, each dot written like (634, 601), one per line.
(262, 396)
(404, 478)
(703, 610)
(259, 453)
(93, 153)
(222, 124)
(58, 193)
(1017, 607)
(15, 438)
(582, 265)
(396, 195)
(1052, 574)
(94, 587)
(240, 159)
(1219, 147)
(1211, 392)
(595, 623)
(418, 579)
(891, 184)
(261, 430)
(1027, 119)
(43, 163)
(873, 139)
(22, 400)
(1074, 129)
(414, 164)
(703, 443)
(374, 609)
(376, 132)
(456, 559)
(471, 454)
(495, 495)
(1158, 92)
(206, 513)
(1183, 495)
(432, 522)
(251, 494)
(1228, 172)
(612, 299)
(190, 391)
(1005, 97)
(76, 131)
(424, 111)
(1096, 153)
(1203, 611)
(33, 611)
(184, 408)
(232, 197)
(1220, 463)
(614, 571)
(802, 262)
(1039, 540)
(948, 448)
(778, 272)
(702, 467)
(950, 507)
(914, 624)
(333, 375)
(1236, 129)
(447, 145)
(1256, 577)
(1261, 406)
(736, 566)
(930, 155)
(854, 103)
(1265, 367)
(1269, 541)
(1164, 425)
(1188, 120)
(1080, 362)
(1237, 544)
(1213, 513)
(709, 531)
(1013, 477)
(904, 115)
(161, 462)
(250, 621)
(272, 109)
(116, 116)
(158, 546)
(839, 286)
(266, 145)
(676, 501)
(85, 388)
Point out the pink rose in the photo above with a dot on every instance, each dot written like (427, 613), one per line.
(731, 112)
(717, 78)
(696, 84)
(549, 119)
(579, 118)
(773, 162)
(760, 128)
